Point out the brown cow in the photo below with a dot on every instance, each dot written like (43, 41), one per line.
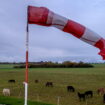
(101, 91)
(36, 81)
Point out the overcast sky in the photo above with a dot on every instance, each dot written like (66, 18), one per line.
(48, 43)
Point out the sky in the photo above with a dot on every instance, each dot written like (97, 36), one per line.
(49, 43)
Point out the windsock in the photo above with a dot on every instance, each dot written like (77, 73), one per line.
(45, 17)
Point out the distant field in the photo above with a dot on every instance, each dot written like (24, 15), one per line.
(81, 78)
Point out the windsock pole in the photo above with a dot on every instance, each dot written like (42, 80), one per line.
(26, 72)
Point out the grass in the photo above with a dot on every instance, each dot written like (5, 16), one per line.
(17, 101)
(81, 78)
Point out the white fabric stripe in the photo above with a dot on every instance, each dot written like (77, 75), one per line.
(50, 16)
(90, 37)
(59, 21)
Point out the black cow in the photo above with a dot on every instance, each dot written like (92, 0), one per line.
(70, 89)
(11, 81)
(81, 96)
(104, 98)
(89, 94)
(49, 84)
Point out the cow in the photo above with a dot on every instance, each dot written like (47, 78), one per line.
(104, 98)
(11, 81)
(81, 96)
(89, 94)
(6, 92)
(36, 81)
(70, 89)
(49, 84)
(101, 91)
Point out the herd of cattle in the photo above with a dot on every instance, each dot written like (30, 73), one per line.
(81, 96)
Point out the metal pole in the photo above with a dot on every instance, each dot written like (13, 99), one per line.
(26, 72)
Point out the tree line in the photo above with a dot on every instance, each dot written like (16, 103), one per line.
(66, 64)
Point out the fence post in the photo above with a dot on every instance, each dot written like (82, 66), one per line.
(37, 97)
(86, 102)
(58, 100)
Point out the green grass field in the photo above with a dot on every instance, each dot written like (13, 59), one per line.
(17, 101)
(82, 79)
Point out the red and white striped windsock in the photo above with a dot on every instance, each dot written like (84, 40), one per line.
(45, 17)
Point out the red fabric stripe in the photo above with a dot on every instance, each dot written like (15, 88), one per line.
(37, 15)
(100, 44)
(102, 53)
(74, 28)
